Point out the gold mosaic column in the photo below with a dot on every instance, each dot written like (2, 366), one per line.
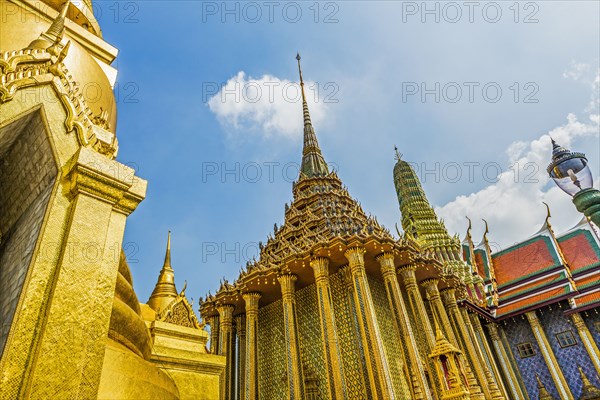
(557, 376)
(226, 338)
(487, 353)
(292, 344)
(403, 327)
(333, 362)
(417, 307)
(240, 323)
(377, 367)
(251, 381)
(213, 321)
(435, 301)
(449, 298)
(505, 364)
(587, 340)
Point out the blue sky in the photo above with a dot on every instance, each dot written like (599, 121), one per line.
(366, 59)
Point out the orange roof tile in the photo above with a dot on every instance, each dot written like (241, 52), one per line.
(579, 249)
(531, 301)
(524, 259)
(588, 298)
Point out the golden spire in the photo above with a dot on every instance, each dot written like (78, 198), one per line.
(313, 163)
(164, 292)
(53, 35)
(589, 391)
(543, 392)
(57, 28)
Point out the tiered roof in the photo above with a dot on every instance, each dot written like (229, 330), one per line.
(542, 270)
(322, 220)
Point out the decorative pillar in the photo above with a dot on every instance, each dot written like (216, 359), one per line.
(433, 296)
(417, 307)
(449, 298)
(478, 356)
(487, 354)
(226, 340)
(251, 381)
(505, 364)
(240, 323)
(549, 357)
(403, 327)
(213, 321)
(294, 364)
(587, 340)
(335, 375)
(377, 368)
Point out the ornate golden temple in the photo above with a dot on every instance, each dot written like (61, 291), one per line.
(335, 307)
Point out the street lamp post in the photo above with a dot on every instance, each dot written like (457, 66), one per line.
(570, 171)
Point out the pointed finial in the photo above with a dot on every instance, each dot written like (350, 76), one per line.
(487, 229)
(469, 227)
(313, 163)
(57, 28)
(398, 230)
(398, 154)
(548, 215)
(167, 263)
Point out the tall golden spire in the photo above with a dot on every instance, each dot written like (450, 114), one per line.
(164, 292)
(313, 163)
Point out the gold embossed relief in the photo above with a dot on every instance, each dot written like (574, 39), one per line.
(179, 315)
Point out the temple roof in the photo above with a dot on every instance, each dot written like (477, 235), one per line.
(322, 220)
(544, 269)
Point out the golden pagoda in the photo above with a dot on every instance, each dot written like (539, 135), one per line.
(334, 293)
(71, 323)
(335, 307)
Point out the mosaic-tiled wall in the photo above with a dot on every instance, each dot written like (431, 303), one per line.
(272, 351)
(592, 320)
(309, 329)
(518, 331)
(391, 341)
(349, 340)
(554, 322)
(272, 370)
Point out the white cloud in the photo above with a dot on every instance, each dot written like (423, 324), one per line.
(266, 106)
(513, 204)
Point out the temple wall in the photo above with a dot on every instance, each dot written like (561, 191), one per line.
(349, 338)
(518, 331)
(393, 349)
(271, 353)
(569, 358)
(309, 328)
(592, 320)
